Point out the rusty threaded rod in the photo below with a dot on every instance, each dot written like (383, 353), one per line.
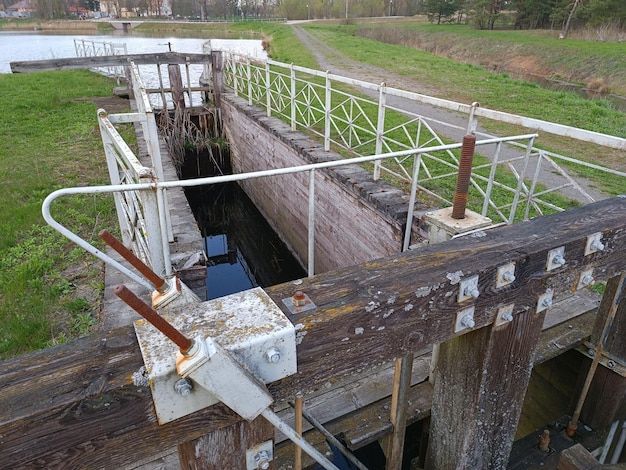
(153, 317)
(157, 281)
(463, 178)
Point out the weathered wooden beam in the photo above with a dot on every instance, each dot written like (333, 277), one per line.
(107, 61)
(371, 313)
(226, 447)
(86, 404)
(77, 404)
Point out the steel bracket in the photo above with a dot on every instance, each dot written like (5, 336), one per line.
(609, 361)
(594, 243)
(505, 275)
(585, 279)
(260, 456)
(468, 289)
(544, 301)
(505, 315)
(556, 258)
(248, 327)
(464, 319)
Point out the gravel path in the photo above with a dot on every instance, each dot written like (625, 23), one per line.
(338, 63)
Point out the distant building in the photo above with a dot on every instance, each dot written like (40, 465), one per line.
(22, 9)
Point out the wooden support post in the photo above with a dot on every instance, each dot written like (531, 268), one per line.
(176, 84)
(218, 77)
(399, 397)
(608, 388)
(225, 447)
(480, 383)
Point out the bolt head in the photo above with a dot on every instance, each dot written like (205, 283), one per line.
(611, 364)
(468, 321)
(183, 387)
(507, 316)
(592, 352)
(299, 299)
(508, 276)
(272, 355)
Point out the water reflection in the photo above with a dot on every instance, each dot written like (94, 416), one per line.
(242, 249)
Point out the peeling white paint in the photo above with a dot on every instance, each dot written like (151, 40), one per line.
(388, 314)
(408, 307)
(358, 330)
(455, 278)
(380, 328)
(140, 378)
(391, 300)
(423, 291)
(345, 339)
(297, 282)
(300, 336)
(372, 306)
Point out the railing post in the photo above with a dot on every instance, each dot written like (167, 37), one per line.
(380, 127)
(292, 97)
(268, 90)
(217, 67)
(114, 176)
(328, 104)
(153, 234)
(249, 75)
(417, 161)
(311, 230)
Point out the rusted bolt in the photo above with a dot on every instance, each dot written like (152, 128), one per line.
(272, 355)
(544, 441)
(299, 299)
(262, 460)
(463, 177)
(183, 387)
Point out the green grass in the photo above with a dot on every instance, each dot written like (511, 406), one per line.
(468, 83)
(50, 140)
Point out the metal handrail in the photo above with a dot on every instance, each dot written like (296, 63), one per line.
(317, 101)
(158, 186)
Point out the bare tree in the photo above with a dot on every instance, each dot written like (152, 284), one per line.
(568, 22)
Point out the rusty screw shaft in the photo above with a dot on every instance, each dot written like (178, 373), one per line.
(153, 317)
(129, 256)
(463, 178)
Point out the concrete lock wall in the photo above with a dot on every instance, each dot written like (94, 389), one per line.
(356, 219)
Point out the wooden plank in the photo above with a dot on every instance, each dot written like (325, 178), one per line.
(176, 83)
(383, 309)
(480, 383)
(398, 412)
(226, 447)
(577, 458)
(76, 404)
(83, 405)
(107, 61)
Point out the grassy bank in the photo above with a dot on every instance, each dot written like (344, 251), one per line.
(596, 64)
(49, 288)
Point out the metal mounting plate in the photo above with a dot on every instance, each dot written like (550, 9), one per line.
(594, 243)
(556, 258)
(505, 315)
(247, 324)
(505, 275)
(467, 287)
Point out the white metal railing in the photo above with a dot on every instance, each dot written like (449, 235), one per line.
(150, 191)
(325, 105)
(143, 215)
(90, 48)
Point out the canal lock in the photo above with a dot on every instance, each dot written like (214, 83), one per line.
(242, 249)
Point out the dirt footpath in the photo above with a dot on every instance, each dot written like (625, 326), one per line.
(338, 63)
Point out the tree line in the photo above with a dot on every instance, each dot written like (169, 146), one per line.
(483, 14)
(528, 14)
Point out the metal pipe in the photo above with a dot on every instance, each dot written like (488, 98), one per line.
(333, 440)
(297, 463)
(619, 447)
(297, 439)
(463, 179)
(117, 188)
(573, 424)
(157, 281)
(608, 442)
(311, 226)
(154, 318)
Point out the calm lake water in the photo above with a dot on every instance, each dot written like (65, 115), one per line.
(41, 46)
